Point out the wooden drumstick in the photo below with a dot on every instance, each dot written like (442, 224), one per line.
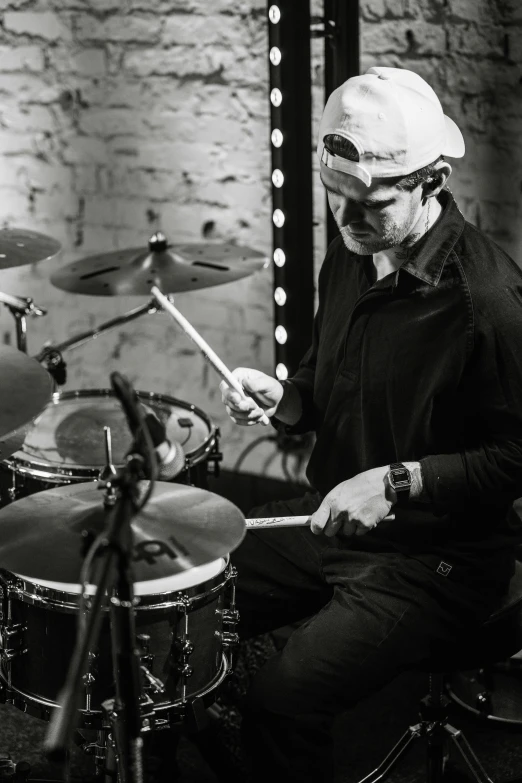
(297, 521)
(204, 347)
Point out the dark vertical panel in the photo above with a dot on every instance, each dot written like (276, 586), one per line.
(293, 117)
(341, 57)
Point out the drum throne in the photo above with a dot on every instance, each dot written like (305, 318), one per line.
(496, 640)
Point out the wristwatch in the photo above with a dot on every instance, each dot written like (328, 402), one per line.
(400, 481)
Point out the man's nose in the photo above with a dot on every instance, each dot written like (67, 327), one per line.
(350, 212)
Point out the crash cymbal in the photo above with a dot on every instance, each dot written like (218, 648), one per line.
(43, 536)
(25, 389)
(173, 268)
(18, 247)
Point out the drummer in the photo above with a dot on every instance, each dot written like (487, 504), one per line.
(413, 386)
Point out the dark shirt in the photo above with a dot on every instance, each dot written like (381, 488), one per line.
(424, 365)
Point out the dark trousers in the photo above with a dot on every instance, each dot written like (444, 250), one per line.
(367, 616)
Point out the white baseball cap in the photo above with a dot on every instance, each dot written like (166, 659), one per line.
(394, 120)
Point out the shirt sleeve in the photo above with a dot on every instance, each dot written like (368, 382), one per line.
(488, 470)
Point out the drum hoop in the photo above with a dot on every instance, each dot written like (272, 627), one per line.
(30, 699)
(42, 470)
(48, 598)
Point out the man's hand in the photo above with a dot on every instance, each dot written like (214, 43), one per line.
(266, 390)
(354, 506)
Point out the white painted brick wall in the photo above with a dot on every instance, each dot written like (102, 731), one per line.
(119, 117)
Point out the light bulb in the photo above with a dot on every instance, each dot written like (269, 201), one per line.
(276, 97)
(279, 257)
(282, 371)
(274, 14)
(280, 296)
(281, 335)
(278, 178)
(276, 137)
(275, 55)
(279, 218)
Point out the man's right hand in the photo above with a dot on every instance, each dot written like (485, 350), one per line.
(266, 391)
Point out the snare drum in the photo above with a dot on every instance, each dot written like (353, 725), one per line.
(182, 620)
(66, 443)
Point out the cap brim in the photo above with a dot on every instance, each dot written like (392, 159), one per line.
(455, 146)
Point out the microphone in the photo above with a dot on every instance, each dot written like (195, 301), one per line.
(169, 454)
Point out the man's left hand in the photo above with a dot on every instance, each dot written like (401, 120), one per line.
(354, 506)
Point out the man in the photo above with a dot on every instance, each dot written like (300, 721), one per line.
(413, 385)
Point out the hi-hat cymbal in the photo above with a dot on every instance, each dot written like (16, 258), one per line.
(43, 536)
(25, 389)
(173, 268)
(18, 247)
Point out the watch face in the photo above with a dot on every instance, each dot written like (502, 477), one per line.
(400, 477)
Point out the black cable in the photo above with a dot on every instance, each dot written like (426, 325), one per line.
(268, 461)
(294, 480)
(250, 447)
(284, 465)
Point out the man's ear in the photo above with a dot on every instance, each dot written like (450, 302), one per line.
(435, 183)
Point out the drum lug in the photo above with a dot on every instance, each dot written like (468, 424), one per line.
(184, 647)
(8, 631)
(229, 639)
(8, 655)
(230, 618)
(185, 670)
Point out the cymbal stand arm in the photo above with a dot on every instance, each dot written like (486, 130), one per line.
(150, 308)
(20, 307)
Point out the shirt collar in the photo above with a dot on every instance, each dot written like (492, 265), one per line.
(429, 255)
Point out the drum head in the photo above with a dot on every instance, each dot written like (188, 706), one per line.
(68, 437)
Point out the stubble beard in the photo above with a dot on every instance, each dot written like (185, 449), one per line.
(393, 236)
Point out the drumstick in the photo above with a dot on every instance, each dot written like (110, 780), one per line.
(297, 521)
(204, 347)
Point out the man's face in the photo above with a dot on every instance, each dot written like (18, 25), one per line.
(371, 218)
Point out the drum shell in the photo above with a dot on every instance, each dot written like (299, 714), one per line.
(47, 622)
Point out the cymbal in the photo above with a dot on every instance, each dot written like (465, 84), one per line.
(43, 535)
(18, 247)
(25, 389)
(173, 268)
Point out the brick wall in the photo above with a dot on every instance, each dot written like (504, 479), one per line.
(470, 51)
(119, 117)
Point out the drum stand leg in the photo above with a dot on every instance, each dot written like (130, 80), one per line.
(436, 731)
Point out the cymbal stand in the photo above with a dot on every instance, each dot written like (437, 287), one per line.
(114, 587)
(20, 307)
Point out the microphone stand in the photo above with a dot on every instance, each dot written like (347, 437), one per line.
(114, 585)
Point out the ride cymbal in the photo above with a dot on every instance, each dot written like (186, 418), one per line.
(173, 268)
(25, 389)
(18, 247)
(43, 536)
